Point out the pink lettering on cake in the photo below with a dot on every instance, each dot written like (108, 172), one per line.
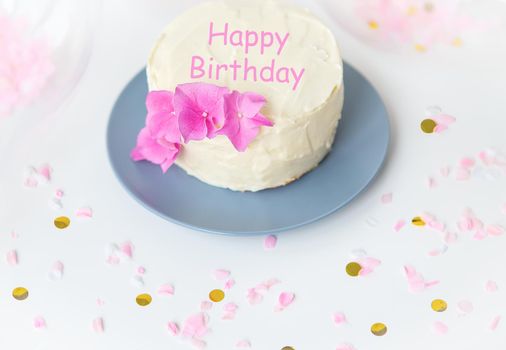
(250, 41)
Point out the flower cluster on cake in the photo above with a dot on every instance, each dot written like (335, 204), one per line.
(243, 95)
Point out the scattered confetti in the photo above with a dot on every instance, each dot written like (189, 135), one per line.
(416, 281)
(494, 230)
(195, 328)
(288, 348)
(386, 198)
(367, 265)
(439, 305)
(345, 346)
(353, 269)
(428, 126)
(206, 305)
(379, 329)
(20, 293)
(127, 248)
(98, 325)
(255, 295)
(166, 289)
(56, 272)
(141, 270)
(62, 222)
(399, 225)
(229, 283)
(418, 221)
(216, 295)
(221, 274)
(173, 328)
(244, 343)
(270, 242)
(143, 299)
(285, 299)
(85, 212)
(339, 318)
(491, 286)
(465, 306)
(440, 328)
(495, 322)
(230, 310)
(11, 257)
(55, 204)
(39, 322)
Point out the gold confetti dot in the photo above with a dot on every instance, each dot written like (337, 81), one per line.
(379, 329)
(418, 221)
(439, 305)
(20, 293)
(373, 24)
(428, 126)
(353, 269)
(62, 222)
(288, 348)
(143, 299)
(216, 295)
(420, 48)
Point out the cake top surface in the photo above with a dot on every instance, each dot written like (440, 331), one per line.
(280, 51)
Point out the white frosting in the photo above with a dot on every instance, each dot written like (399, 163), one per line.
(305, 119)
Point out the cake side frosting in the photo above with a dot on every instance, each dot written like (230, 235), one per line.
(214, 43)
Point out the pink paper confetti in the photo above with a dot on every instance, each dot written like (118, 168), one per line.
(416, 281)
(56, 272)
(39, 322)
(399, 225)
(467, 163)
(465, 306)
(345, 346)
(445, 171)
(368, 265)
(339, 318)
(243, 343)
(495, 322)
(270, 242)
(491, 286)
(206, 305)
(98, 325)
(431, 182)
(285, 299)
(173, 328)
(462, 174)
(230, 311)
(254, 297)
(387, 198)
(166, 289)
(141, 270)
(195, 326)
(45, 171)
(495, 230)
(59, 194)
(229, 284)
(85, 212)
(221, 274)
(440, 328)
(12, 257)
(127, 249)
(100, 302)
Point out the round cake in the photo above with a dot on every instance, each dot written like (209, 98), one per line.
(279, 51)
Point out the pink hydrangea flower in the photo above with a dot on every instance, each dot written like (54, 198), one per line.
(199, 108)
(243, 118)
(157, 151)
(159, 141)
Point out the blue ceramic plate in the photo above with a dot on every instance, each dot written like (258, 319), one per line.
(356, 157)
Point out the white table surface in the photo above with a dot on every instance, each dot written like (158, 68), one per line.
(467, 82)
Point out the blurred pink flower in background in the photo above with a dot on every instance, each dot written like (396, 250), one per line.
(25, 64)
(418, 24)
